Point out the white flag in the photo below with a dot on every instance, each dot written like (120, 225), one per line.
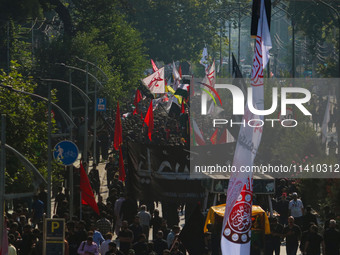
(155, 82)
(175, 73)
(325, 121)
(237, 218)
(210, 77)
(204, 59)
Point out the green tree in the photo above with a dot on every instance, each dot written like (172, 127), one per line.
(26, 128)
(174, 30)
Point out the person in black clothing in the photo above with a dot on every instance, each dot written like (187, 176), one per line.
(113, 250)
(136, 229)
(328, 215)
(276, 230)
(60, 197)
(332, 239)
(304, 237)
(164, 227)
(94, 179)
(141, 247)
(128, 209)
(293, 234)
(81, 234)
(312, 246)
(110, 168)
(159, 243)
(125, 237)
(282, 209)
(28, 240)
(42, 196)
(72, 239)
(308, 218)
(156, 223)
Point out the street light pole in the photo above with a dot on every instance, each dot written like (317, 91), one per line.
(2, 172)
(86, 106)
(239, 32)
(49, 154)
(86, 132)
(86, 99)
(71, 138)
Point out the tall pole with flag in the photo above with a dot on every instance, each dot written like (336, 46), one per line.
(237, 222)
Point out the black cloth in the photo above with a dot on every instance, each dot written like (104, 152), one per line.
(140, 248)
(156, 223)
(125, 246)
(314, 241)
(137, 230)
(94, 180)
(308, 218)
(129, 210)
(332, 241)
(304, 238)
(282, 209)
(292, 234)
(160, 245)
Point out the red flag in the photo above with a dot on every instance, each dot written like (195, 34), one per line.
(118, 139)
(121, 166)
(182, 107)
(149, 120)
(138, 98)
(213, 138)
(87, 197)
(223, 137)
(180, 71)
(154, 67)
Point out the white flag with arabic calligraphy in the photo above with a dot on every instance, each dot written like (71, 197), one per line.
(236, 231)
(155, 82)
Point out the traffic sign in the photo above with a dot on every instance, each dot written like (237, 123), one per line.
(66, 152)
(54, 236)
(55, 229)
(54, 247)
(101, 104)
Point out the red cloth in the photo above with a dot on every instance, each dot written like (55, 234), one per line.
(213, 138)
(154, 67)
(138, 98)
(118, 139)
(182, 107)
(121, 166)
(149, 120)
(87, 197)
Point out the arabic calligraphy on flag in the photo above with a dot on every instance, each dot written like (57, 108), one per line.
(155, 82)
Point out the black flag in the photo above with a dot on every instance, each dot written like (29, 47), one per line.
(192, 235)
(256, 8)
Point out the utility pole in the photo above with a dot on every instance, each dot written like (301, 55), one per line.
(239, 33)
(49, 154)
(2, 173)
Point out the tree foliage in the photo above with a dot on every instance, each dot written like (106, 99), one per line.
(174, 30)
(26, 129)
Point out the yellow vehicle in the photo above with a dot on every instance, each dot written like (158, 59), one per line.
(260, 223)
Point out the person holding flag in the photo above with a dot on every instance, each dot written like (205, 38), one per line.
(237, 221)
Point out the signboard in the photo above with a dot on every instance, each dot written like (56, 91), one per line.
(260, 186)
(66, 152)
(55, 229)
(55, 247)
(101, 104)
(54, 236)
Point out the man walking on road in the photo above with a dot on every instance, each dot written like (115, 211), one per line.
(293, 234)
